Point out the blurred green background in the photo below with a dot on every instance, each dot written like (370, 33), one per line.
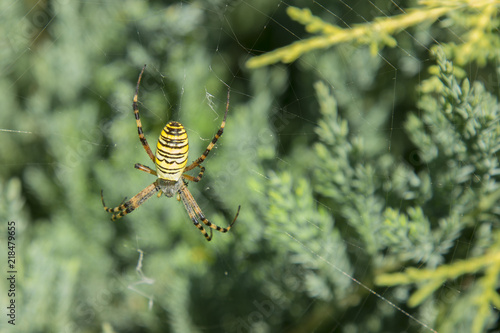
(316, 188)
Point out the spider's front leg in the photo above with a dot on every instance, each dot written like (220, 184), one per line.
(129, 206)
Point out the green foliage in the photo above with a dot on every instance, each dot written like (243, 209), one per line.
(483, 295)
(457, 137)
(347, 184)
(479, 38)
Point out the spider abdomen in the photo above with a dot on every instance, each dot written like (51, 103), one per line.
(171, 151)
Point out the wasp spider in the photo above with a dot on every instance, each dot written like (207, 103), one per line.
(170, 161)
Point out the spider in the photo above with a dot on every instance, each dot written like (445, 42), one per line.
(170, 161)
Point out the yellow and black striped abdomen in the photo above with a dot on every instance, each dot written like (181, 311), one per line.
(172, 151)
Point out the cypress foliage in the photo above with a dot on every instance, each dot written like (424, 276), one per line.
(359, 171)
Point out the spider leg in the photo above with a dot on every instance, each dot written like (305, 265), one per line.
(214, 140)
(121, 203)
(192, 214)
(198, 225)
(195, 212)
(197, 178)
(145, 168)
(129, 206)
(138, 119)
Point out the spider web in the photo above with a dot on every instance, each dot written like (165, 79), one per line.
(89, 145)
